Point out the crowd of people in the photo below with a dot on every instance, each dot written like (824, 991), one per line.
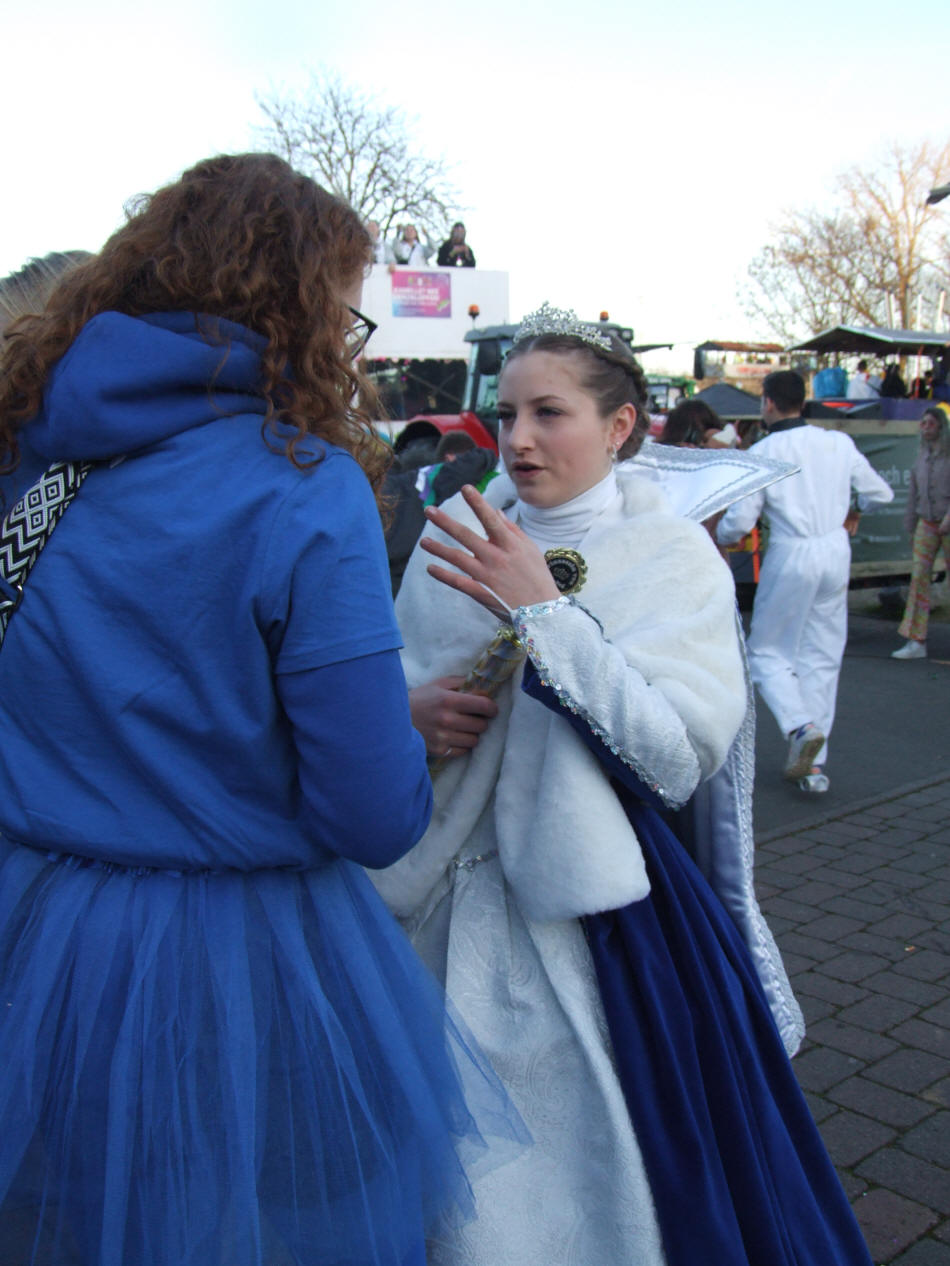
(870, 382)
(224, 786)
(407, 250)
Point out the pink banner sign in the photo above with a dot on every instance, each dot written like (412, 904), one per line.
(421, 294)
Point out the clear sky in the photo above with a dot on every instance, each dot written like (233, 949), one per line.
(608, 154)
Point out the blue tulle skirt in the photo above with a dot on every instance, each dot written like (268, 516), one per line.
(739, 1173)
(226, 1069)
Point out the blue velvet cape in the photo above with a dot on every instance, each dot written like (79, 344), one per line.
(738, 1170)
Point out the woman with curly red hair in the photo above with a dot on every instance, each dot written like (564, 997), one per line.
(217, 1047)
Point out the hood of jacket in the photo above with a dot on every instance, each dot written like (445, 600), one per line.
(128, 382)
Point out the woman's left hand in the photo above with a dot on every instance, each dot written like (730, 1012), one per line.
(508, 565)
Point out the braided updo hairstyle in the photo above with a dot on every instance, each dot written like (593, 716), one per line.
(612, 376)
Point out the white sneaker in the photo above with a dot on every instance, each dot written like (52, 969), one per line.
(911, 650)
(815, 783)
(803, 747)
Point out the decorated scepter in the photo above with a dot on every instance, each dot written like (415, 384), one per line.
(505, 653)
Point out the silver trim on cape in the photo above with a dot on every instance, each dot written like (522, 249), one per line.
(701, 482)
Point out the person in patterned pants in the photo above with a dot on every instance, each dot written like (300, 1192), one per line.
(928, 518)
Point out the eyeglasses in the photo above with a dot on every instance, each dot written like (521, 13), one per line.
(359, 333)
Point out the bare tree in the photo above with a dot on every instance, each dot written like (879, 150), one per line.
(362, 151)
(877, 253)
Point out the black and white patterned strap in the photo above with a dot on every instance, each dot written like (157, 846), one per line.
(27, 528)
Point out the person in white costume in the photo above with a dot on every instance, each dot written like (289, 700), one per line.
(382, 251)
(800, 616)
(407, 251)
(641, 1029)
(862, 385)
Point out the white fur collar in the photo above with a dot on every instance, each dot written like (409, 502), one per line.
(565, 844)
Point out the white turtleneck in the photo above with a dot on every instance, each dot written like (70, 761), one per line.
(568, 523)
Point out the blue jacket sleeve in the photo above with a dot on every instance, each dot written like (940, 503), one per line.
(362, 766)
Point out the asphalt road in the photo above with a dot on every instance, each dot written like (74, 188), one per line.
(892, 727)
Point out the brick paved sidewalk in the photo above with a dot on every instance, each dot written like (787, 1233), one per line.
(860, 905)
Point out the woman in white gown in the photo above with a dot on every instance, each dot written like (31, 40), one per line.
(638, 1027)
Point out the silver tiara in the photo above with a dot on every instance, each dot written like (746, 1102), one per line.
(548, 320)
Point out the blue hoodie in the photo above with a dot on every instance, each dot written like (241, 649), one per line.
(203, 670)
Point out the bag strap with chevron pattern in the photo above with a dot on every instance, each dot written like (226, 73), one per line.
(28, 526)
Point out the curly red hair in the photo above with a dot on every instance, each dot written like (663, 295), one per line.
(244, 237)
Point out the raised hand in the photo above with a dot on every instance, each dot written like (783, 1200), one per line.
(505, 564)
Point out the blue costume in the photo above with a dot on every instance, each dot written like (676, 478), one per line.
(217, 1046)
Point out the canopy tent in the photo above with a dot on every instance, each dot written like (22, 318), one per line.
(875, 340)
(731, 403)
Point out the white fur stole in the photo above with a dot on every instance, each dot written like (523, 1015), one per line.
(661, 684)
